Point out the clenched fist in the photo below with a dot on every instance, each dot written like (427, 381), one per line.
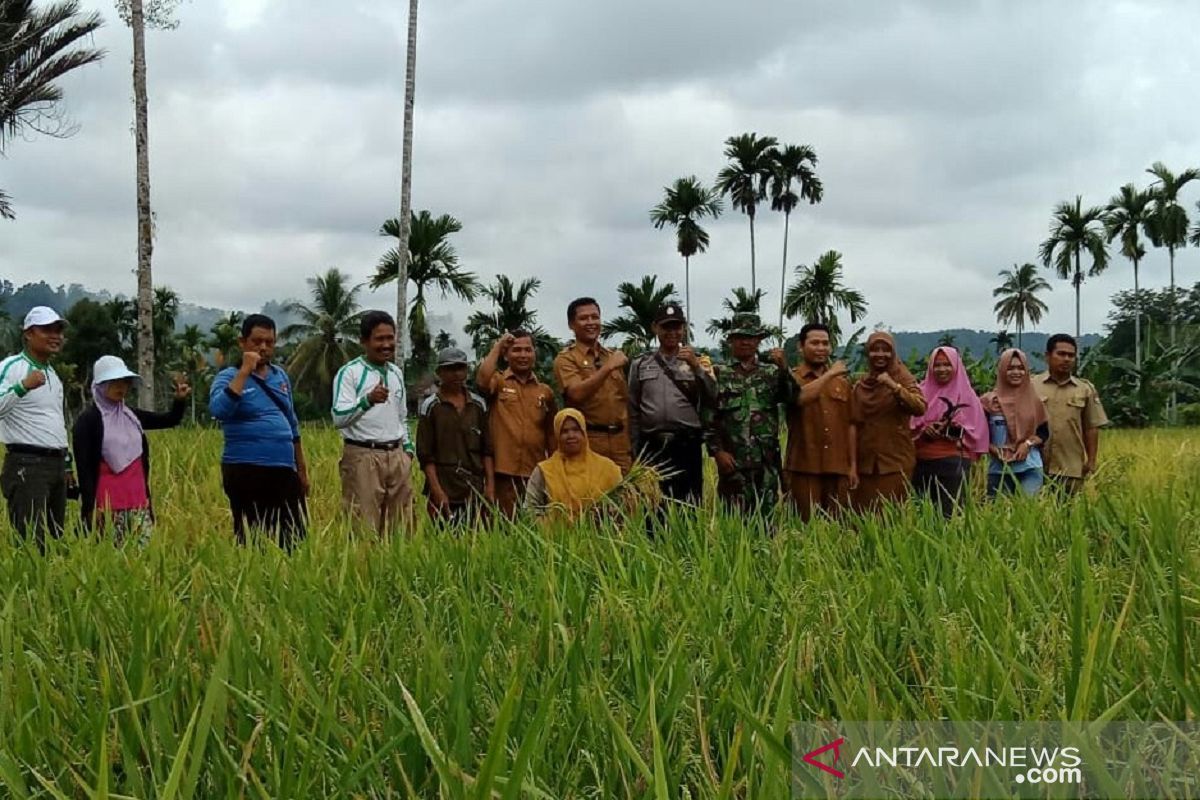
(617, 361)
(378, 395)
(250, 361)
(33, 380)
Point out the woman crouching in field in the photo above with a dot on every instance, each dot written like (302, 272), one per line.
(1019, 426)
(113, 455)
(574, 479)
(952, 433)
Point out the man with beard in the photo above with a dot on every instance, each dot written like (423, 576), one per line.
(521, 418)
(370, 410)
(592, 379)
(36, 474)
(821, 448)
(262, 465)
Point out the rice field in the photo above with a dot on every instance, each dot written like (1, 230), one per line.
(579, 662)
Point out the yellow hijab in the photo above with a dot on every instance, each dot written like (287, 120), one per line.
(577, 482)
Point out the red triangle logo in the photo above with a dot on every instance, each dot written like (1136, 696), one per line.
(810, 757)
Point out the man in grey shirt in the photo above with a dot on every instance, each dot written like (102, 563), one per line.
(666, 391)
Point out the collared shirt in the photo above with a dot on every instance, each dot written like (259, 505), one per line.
(1072, 408)
(885, 445)
(260, 424)
(743, 420)
(456, 442)
(353, 414)
(609, 405)
(657, 405)
(34, 417)
(819, 433)
(521, 422)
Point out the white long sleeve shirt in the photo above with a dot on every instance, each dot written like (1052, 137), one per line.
(34, 417)
(353, 413)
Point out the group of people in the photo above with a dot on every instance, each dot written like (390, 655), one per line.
(505, 447)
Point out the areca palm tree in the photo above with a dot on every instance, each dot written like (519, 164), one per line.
(641, 303)
(819, 294)
(431, 263)
(403, 230)
(326, 336)
(1074, 230)
(1128, 216)
(190, 344)
(1168, 223)
(687, 201)
(1018, 301)
(1002, 341)
(37, 48)
(793, 178)
(510, 312)
(745, 178)
(742, 301)
(223, 339)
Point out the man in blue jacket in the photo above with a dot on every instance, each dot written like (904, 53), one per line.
(262, 466)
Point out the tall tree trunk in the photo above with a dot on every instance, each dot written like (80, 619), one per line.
(1137, 326)
(1078, 281)
(145, 230)
(410, 89)
(787, 218)
(753, 280)
(1174, 399)
(687, 294)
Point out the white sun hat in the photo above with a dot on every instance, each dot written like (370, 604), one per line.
(40, 316)
(111, 368)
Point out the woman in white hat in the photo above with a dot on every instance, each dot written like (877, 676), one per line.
(112, 454)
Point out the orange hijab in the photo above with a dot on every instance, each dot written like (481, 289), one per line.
(578, 481)
(870, 395)
(1024, 412)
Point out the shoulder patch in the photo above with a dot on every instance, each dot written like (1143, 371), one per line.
(478, 400)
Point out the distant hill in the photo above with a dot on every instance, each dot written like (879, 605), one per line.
(979, 342)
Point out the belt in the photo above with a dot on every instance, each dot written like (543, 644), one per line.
(392, 445)
(33, 450)
(614, 428)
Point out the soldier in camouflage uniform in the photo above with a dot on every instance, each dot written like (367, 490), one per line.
(742, 426)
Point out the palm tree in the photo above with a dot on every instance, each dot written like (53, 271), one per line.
(326, 336)
(818, 294)
(403, 231)
(432, 262)
(687, 201)
(37, 47)
(1128, 216)
(190, 344)
(642, 303)
(1168, 223)
(1072, 231)
(794, 165)
(1002, 341)
(223, 339)
(1018, 301)
(745, 178)
(166, 310)
(511, 312)
(740, 302)
(1196, 230)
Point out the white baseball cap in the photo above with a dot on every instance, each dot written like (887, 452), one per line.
(40, 316)
(111, 368)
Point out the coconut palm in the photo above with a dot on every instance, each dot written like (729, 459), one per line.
(1002, 341)
(744, 179)
(1018, 301)
(794, 168)
(1074, 230)
(1168, 223)
(403, 231)
(641, 303)
(326, 336)
(1128, 216)
(819, 294)
(511, 312)
(431, 263)
(37, 48)
(686, 202)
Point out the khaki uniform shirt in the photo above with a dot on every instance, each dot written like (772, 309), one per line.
(521, 422)
(885, 444)
(609, 406)
(1072, 408)
(456, 442)
(819, 433)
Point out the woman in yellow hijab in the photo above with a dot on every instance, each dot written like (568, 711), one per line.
(574, 477)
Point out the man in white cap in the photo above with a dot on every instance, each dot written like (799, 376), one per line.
(33, 428)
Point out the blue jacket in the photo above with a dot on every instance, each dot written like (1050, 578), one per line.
(257, 431)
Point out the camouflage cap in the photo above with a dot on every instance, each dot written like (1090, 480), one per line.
(748, 325)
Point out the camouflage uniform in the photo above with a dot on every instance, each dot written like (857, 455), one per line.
(745, 423)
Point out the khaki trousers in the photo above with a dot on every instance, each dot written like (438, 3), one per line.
(614, 446)
(808, 493)
(377, 487)
(510, 493)
(875, 490)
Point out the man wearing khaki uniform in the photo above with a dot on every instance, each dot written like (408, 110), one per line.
(370, 410)
(1076, 416)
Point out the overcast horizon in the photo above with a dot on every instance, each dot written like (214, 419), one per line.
(946, 135)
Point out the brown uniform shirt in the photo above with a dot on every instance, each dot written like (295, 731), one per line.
(521, 422)
(608, 406)
(1072, 408)
(885, 444)
(819, 433)
(456, 442)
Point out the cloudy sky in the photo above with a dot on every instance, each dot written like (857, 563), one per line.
(946, 131)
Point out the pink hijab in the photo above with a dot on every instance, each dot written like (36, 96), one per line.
(959, 392)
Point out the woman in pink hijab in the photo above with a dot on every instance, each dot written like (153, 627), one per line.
(952, 433)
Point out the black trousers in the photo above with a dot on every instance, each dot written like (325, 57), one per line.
(943, 481)
(267, 499)
(679, 454)
(35, 489)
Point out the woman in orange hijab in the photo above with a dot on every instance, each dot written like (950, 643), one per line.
(1018, 428)
(574, 478)
(883, 404)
